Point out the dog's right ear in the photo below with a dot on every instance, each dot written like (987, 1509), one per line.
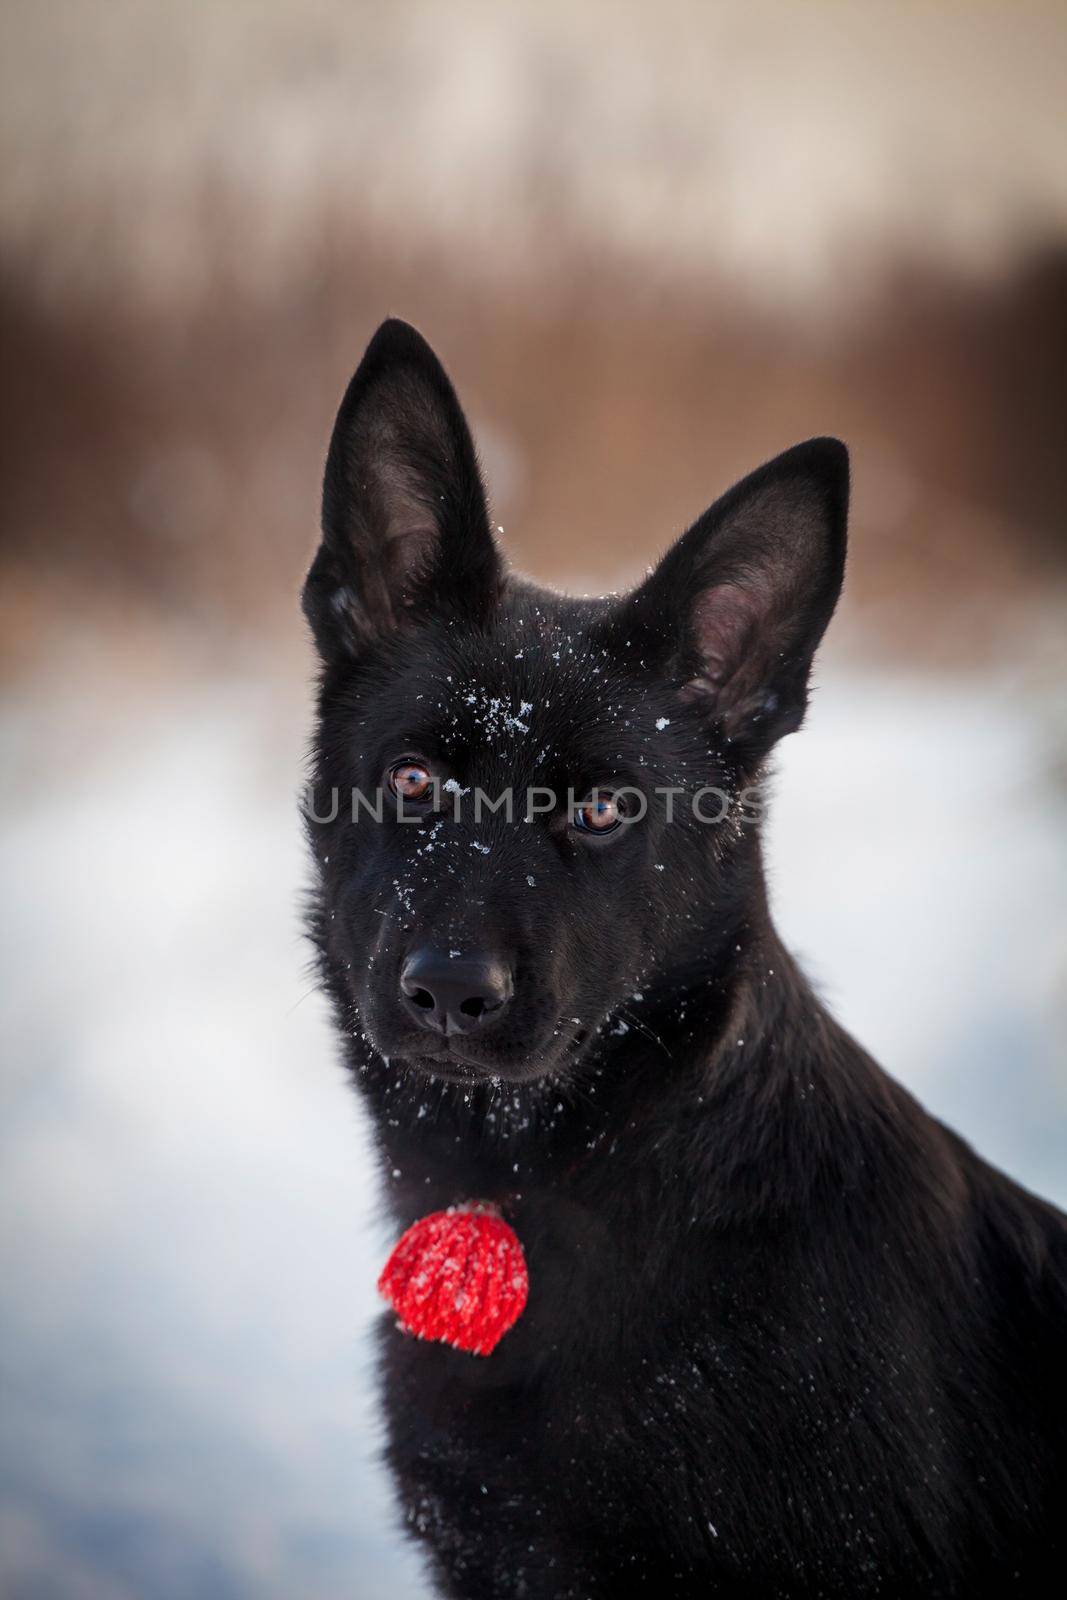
(405, 526)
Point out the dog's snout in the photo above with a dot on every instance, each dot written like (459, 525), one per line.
(453, 994)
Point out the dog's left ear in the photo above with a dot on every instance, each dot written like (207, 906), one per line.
(405, 526)
(736, 608)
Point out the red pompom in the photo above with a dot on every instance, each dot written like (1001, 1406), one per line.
(458, 1276)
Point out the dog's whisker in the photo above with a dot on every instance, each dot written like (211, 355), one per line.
(642, 1027)
(315, 987)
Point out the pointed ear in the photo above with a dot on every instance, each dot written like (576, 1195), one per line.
(405, 527)
(736, 609)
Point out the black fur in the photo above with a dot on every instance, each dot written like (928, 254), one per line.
(787, 1335)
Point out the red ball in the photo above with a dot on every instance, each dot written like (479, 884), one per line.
(458, 1276)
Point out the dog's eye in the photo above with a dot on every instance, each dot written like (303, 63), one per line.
(601, 813)
(410, 780)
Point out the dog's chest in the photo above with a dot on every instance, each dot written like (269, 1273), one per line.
(675, 1407)
(722, 1455)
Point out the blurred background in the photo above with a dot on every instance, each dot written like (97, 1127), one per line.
(654, 245)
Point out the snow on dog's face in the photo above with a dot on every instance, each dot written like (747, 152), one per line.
(524, 805)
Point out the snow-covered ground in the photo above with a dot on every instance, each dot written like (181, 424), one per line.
(189, 1247)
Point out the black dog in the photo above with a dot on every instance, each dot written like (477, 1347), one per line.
(786, 1334)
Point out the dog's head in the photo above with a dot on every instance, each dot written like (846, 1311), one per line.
(526, 807)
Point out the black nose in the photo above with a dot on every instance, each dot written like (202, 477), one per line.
(453, 994)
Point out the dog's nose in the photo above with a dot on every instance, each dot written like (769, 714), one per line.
(453, 994)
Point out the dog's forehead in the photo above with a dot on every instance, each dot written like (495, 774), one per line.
(544, 694)
(549, 689)
(537, 689)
